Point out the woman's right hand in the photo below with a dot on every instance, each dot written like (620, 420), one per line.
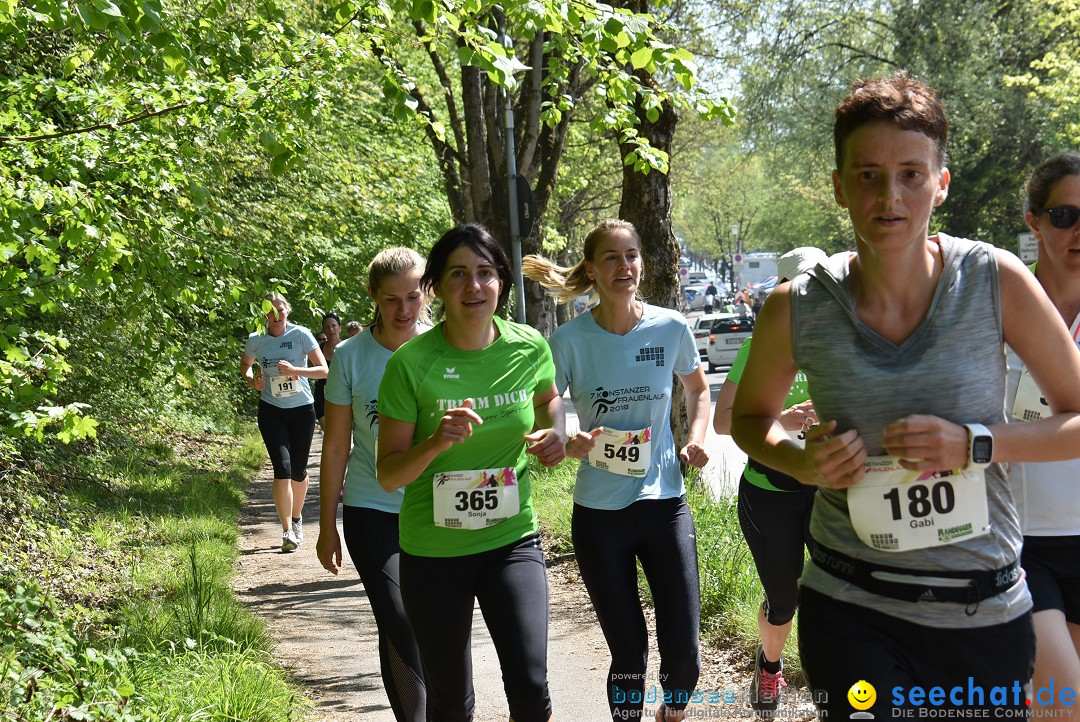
(456, 424)
(328, 548)
(583, 443)
(835, 462)
(257, 382)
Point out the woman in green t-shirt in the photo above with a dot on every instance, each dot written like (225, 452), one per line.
(459, 409)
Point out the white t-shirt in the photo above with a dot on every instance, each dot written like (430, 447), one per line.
(1047, 493)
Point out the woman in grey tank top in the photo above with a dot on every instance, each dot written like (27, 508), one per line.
(915, 583)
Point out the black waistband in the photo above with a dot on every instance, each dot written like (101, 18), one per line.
(981, 584)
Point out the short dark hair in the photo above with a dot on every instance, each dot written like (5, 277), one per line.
(1045, 176)
(901, 99)
(332, 315)
(482, 243)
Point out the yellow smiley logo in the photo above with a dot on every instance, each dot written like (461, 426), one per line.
(862, 695)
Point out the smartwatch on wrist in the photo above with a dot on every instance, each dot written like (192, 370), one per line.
(980, 446)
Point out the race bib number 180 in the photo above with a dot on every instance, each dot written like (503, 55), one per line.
(895, 510)
(475, 499)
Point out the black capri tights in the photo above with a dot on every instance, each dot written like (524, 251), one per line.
(510, 583)
(372, 539)
(776, 525)
(608, 543)
(287, 434)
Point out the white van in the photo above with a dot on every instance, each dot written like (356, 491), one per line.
(693, 278)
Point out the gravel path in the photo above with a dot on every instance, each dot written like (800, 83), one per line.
(326, 635)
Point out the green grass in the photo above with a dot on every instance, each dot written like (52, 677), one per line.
(730, 590)
(125, 610)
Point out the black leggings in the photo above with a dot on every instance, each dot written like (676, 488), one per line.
(842, 643)
(776, 525)
(510, 583)
(607, 543)
(372, 539)
(287, 434)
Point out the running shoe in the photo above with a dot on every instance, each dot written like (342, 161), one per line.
(298, 531)
(765, 686)
(288, 543)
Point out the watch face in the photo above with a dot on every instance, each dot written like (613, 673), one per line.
(982, 449)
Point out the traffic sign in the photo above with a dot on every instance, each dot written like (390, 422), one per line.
(1029, 247)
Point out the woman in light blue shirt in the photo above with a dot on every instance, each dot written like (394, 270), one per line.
(370, 514)
(630, 499)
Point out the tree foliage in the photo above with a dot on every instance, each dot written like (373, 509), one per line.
(161, 165)
(1006, 72)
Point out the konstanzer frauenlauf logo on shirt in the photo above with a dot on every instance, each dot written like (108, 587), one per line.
(607, 400)
(372, 410)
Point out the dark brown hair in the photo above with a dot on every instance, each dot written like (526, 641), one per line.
(482, 243)
(1045, 176)
(901, 99)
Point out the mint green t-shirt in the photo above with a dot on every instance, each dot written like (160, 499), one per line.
(797, 395)
(427, 376)
(355, 373)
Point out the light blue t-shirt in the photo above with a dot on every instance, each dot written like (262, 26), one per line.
(624, 383)
(356, 370)
(293, 345)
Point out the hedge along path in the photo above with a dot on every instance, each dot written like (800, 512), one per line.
(326, 635)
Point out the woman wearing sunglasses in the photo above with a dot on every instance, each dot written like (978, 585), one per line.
(1045, 493)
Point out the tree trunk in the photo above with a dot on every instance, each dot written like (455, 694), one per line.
(646, 202)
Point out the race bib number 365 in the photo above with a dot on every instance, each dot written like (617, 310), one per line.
(895, 510)
(475, 499)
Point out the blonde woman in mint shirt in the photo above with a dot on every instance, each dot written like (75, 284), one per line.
(370, 513)
(460, 407)
(618, 361)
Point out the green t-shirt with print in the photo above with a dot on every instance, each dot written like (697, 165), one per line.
(427, 376)
(796, 395)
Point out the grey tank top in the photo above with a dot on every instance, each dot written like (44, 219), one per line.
(952, 366)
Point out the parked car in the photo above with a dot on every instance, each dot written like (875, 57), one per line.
(725, 338)
(702, 327)
(695, 297)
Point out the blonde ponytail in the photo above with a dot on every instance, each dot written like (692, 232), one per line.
(565, 284)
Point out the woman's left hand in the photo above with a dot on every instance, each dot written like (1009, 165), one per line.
(927, 443)
(285, 368)
(694, 455)
(547, 445)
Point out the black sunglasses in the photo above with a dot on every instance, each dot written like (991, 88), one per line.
(1063, 216)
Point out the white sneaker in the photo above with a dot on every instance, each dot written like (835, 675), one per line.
(298, 531)
(288, 541)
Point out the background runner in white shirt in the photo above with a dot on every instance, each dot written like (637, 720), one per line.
(1046, 494)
